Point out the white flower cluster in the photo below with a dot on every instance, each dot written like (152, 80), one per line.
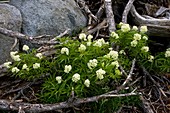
(116, 64)
(87, 82)
(39, 55)
(67, 68)
(75, 77)
(25, 67)
(145, 37)
(58, 79)
(167, 53)
(137, 36)
(112, 54)
(143, 29)
(82, 48)
(15, 70)
(135, 28)
(100, 73)
(92, 63)
(65, 50)
(114, 35)
(100, 42)
(7, 64)
(25, 48)
(150, 58)
(82, 36)
(122, 52)
(134, 43)
(36, 65)
(14, 56)
(145, 49)
(125, 27)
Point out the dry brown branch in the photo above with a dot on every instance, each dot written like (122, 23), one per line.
(97, 28)
(126, 11)
(27, 107)
(35, 40)
(82, 4)
(110, 15)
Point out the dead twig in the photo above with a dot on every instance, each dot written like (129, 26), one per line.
(129, 77)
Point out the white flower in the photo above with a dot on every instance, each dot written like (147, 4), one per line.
(114, 35)
(98, 44)
(167, 54)
(7, 64)
(89, 37)
(100, 73)
(135, 28)
(13, 53)
(134, 43)
(116, 64)
(92, 63)
(145, 49)
(36, 65)
(143, 29)
(82, 36)
(150, 58)
(137, 36)
(15, 70)
(25, 67)
(58, 79)
(65, 50)
(16, 58)
(145, 38)
(82, 48)
(107, 56)
(113, 54)
(122, 52)
(125, 28)
(67, 68)
(76, 77)
(87, 82)
(121, 23)
(168, 49)
(39, 55)
(25, 48)
(88, 43)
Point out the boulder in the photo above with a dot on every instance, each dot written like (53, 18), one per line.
(50, 17)
(10, 18)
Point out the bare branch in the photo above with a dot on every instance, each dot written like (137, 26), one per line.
(129, 76)
(110, 15)
(27, 107)
(126, 11)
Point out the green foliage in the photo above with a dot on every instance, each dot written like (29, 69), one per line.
(78, 60)
(87, 67)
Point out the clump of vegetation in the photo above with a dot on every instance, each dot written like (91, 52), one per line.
(85, 66)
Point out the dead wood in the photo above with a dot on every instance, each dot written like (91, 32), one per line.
(126, 11)
(27, 107)
(110, 15)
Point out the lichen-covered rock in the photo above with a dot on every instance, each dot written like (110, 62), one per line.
(10, 18)
(50, 17)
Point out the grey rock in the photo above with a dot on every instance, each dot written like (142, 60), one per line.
(10, 18)
(50, 17)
